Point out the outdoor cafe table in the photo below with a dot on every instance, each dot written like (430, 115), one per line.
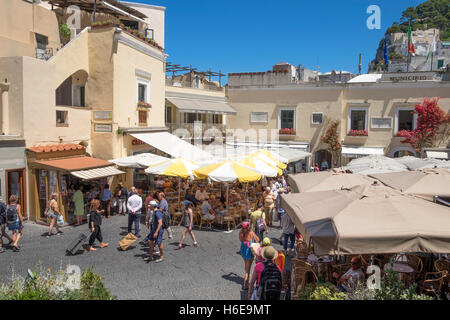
(399, 267)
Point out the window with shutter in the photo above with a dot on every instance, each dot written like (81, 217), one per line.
(142, 117)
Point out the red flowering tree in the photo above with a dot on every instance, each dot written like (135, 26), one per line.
(331, 138)
(431, 121)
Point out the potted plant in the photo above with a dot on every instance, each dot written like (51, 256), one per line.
(143, 104)
(358, 133)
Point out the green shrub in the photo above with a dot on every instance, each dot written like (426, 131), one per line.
(46, 285)
(65, 32)
(323, 291)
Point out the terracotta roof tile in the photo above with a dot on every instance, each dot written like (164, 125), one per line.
(56, 147)
(76, 163)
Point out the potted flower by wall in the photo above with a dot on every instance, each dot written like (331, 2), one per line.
(102, 24)
(143, 104)
(358, 133)
(287, 131)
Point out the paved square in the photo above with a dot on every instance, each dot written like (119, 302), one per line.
(212, 271)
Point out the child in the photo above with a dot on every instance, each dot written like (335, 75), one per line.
(95, 221)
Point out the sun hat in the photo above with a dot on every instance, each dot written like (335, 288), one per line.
(254, 247)
(269, 253)
(153, 203)
(266, 242)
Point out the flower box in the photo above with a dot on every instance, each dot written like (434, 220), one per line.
(287, 131)
(358, 133)
(143, 104)
(403, 133)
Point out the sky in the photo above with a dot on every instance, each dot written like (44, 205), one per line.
(252, 36)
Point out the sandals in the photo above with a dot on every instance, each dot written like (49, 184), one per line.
(92, 249)
(15, 249)
(180, 246)
(103, 245)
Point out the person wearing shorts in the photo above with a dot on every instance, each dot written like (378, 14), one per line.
(155, 237)
(3, 227)
(15, 226)
(186, 207)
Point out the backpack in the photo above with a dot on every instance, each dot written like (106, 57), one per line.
(2, 213)
(11, 213)
(166, 220)
(260, 224)
(271, 283)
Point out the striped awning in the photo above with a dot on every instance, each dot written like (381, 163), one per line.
(96, 173)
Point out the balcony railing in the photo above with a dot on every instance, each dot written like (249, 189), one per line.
(190, 127)
(191, 84)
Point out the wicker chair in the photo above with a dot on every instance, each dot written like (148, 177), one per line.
(296, 263)
(300, 278)
(416, 263)
(433, 283)
(177, 215)
(302, 250)
(443, 265)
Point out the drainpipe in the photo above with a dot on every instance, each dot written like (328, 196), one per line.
(5, 107)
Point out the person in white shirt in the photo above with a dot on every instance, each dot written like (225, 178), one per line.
(207, 211)
(349, 280)
(201, 194)
(134, 205)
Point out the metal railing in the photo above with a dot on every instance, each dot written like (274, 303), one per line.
(190, 127)
(191, 84)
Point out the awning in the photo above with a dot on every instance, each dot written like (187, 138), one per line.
(174, 146)
(215, 106)
(142, 160)
(437, 154)
(74, 163)
(289, 155)
(357, 152)
(96, 173)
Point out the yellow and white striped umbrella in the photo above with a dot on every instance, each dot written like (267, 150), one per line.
(177, 167)
(227, 171)
(266, 169)
(269, 157)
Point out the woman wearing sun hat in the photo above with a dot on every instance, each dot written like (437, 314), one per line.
(186, 206)
(247, 237)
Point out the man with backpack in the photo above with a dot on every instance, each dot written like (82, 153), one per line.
(155, 237)
(164, 207)
(267, 276)
(3, 226)
(258, 221)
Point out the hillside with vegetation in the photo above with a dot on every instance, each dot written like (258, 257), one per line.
(427, 15)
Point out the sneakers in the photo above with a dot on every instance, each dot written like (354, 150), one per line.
(180, 246)
(160, 259)
(196, 244)
(59, 233)
(149, 259)
(15, 249)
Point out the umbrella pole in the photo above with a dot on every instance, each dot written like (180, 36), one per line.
(228, 204)
(179, 190)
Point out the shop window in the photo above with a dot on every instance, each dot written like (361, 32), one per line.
(216, 118)
(61, 118)
(192, 117)
(317, 117)
(142, 117)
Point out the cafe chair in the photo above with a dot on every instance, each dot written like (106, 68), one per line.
(416, 263)
(300, 263)
(229, 220)
(433, 283)
(205, 221)
(177, 215)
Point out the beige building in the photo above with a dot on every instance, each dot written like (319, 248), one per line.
(96, 90)
(193, 99)
(371, 109)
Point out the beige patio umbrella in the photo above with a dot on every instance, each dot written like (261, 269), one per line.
(326, 180)
(369, 220)
(374, 164)
(425, 183)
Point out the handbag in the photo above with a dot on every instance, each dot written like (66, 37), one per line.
(260, 224)
(60, 220)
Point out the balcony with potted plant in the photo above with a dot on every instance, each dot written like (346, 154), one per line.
(143, 104)
(140, 36)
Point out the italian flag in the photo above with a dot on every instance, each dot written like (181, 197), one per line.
(411, 47)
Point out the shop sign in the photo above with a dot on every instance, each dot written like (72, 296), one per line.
(102, 127)
(102, 115)
(137, 142)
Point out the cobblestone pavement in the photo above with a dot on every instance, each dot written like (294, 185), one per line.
(213, 270)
